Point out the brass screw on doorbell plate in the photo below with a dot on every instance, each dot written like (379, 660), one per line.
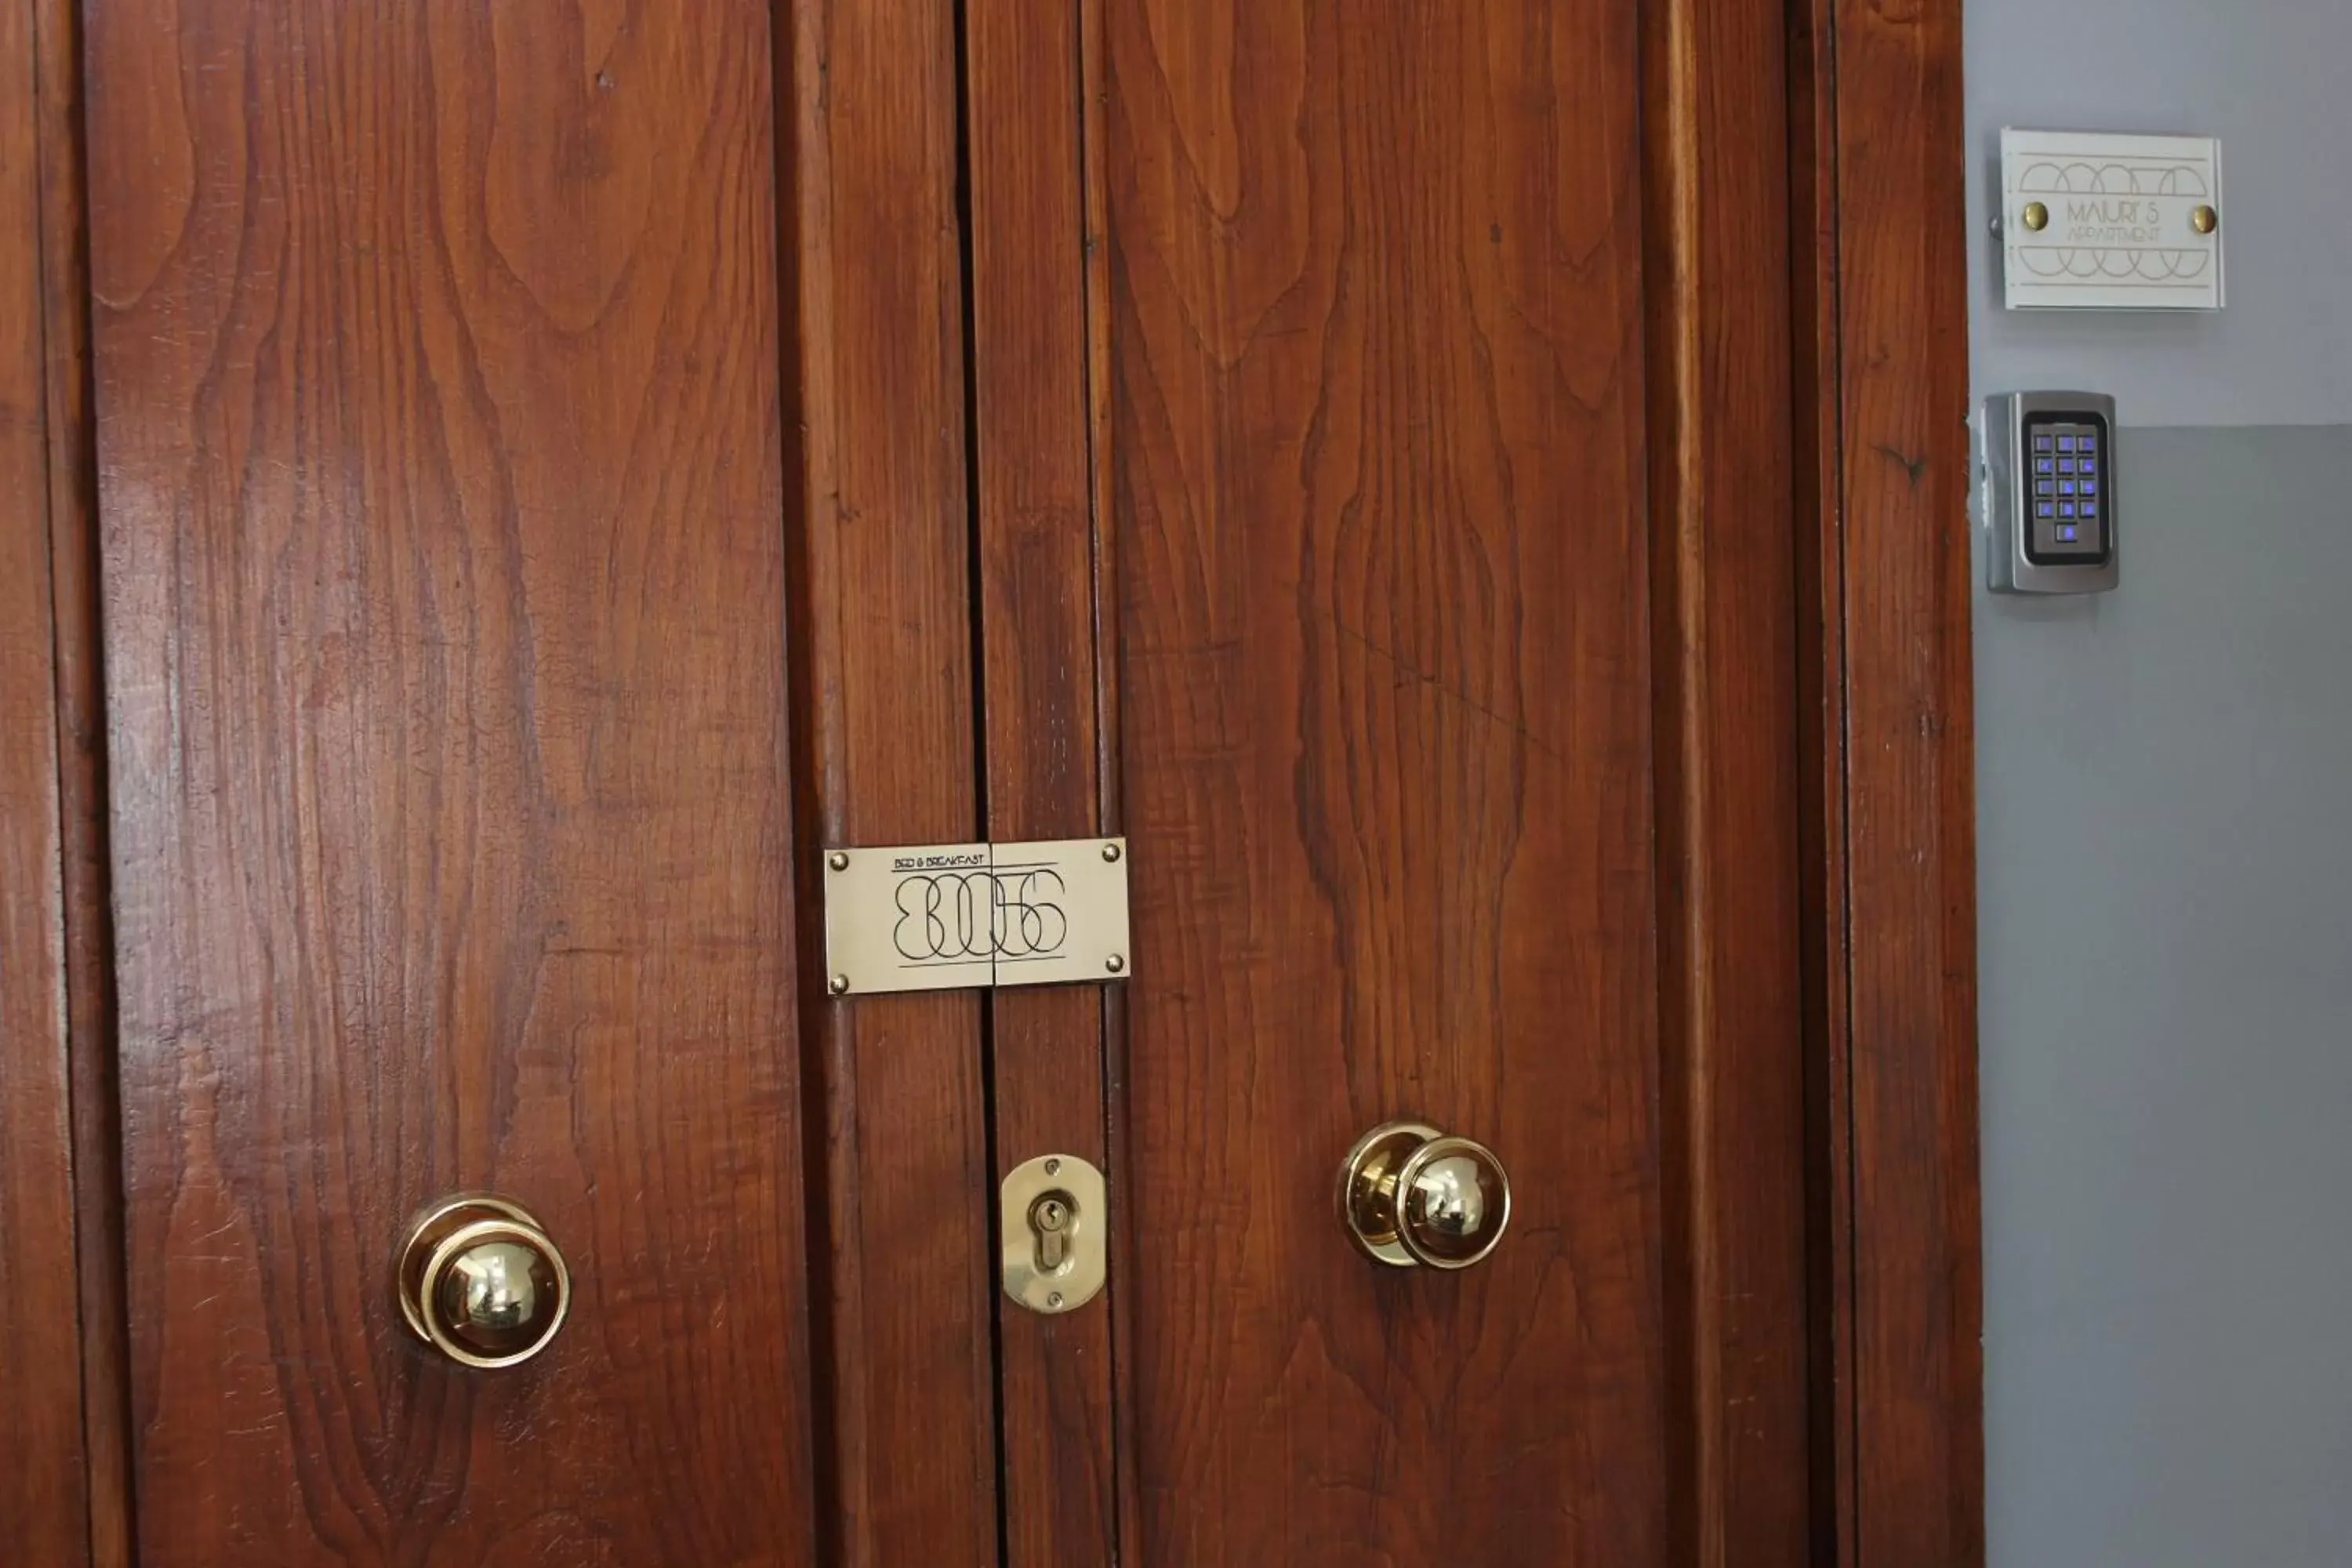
(838, 985)
(838, 859)
(2036, 217)
(2204, 220)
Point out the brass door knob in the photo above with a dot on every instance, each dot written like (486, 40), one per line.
(480, 1281)
(1409, 1195)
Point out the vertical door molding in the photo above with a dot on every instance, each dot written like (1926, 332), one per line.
(46, 1488)
(1725, 635)
(81, 782)
(902, 1263)
(1043, 629)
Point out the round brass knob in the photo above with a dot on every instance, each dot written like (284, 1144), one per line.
(480, 1281)
(1411, 1195)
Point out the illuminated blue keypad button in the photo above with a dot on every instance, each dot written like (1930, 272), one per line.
(2045, 509)
(2045, 465)
(2066, 465)
(2043, 444)
(2066, 508)
(2045, 487)
(2065, 533)
(2065, 443)
(2065, 487)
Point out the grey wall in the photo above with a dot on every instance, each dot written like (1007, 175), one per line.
(2164, 862)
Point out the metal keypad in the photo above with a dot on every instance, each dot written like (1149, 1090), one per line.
(2070, 491)
(2047, 462)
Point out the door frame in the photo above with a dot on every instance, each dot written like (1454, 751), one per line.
(1877, 161)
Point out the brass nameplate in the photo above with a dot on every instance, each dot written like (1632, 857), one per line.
(934, 916)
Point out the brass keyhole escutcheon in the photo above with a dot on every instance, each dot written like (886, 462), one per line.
(1054, 1220)
(480, 1280)
(1411, 1196)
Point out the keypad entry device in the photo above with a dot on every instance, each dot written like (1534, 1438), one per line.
(2069, 455)
(2049, 468)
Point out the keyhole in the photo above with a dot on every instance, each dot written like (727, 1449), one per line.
(1049, 1217)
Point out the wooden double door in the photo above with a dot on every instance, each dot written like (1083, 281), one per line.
(563, 468)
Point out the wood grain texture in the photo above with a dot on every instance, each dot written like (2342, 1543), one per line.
(44, 1509)
(1033, 494)
(1724, 631)
(883, 598)
(84, 813)
(1906, 756)
(436, 384)
(1386, 683)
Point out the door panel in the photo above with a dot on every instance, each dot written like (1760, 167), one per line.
(1386, 684)
(440, 444)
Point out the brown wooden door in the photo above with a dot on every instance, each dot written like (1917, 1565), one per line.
(1457, 682)
(562, 468)
(440, 468)
(1457, 689)
(1363, 446)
